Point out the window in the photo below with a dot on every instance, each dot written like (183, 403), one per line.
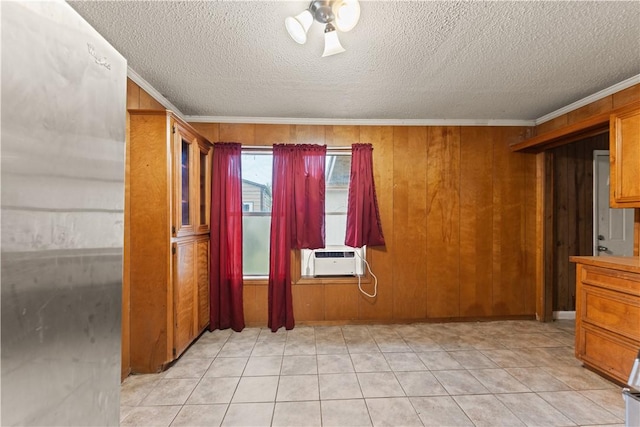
(256, 212)
(256, 203)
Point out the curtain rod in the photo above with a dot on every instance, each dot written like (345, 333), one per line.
(269, 148)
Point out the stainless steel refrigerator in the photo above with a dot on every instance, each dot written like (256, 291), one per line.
(62, 202)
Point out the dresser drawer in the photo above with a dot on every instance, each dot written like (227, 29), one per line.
(606, 352)
(610, 310)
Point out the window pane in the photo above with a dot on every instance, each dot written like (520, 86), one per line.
(255, 241)
(337, 171)
(256, 207)
(185, 193)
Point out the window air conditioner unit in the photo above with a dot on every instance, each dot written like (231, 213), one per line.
(334, 263)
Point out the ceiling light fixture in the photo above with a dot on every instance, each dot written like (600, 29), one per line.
(340, 14)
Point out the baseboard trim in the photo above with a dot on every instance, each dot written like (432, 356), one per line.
(564, 315)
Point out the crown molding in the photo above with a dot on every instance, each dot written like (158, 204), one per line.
(379, 122)
(589, 99)
(153, 92)
(358, 122)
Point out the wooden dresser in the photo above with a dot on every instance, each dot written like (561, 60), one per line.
(608, 314)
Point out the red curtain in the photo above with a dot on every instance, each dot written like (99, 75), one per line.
(297, 220)
(363, 216)
(226, 239)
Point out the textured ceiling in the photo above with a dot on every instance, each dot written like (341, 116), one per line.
(404, 60)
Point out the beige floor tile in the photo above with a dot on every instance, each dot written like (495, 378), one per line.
(472, 359)
(331, 347)
(268, 348)
(420, 384)
(214, 390)
(440, 411)
(236, 348)
(533, 410)
(293, 388)
(248, 414)
(203, 350)
(487, 410)
(459, 382)
(300, 347)
(498, 381)
(578, 408)
(297, 414)
(136, 387)
(263, 365)
(404, 362)
(507, 358)
(537, 379)
(170, 392)
(339, 386)
(379, 384)
(369, 362)
(610, 399)
(528, 340)
(439, 361)
(299, 365)
(227, 367)
(189, 368)
(256, 389)
(362, 346)
(124, 411)
(422, 344)
(393, 412)
(578, 378)
(340, 413)
(152, 416)
(200, 416)
(391, 343)
(334, 363)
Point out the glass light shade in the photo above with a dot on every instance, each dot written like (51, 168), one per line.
(297, 26)
(331, 44)
(347, 14)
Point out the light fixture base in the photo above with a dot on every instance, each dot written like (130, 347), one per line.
(322, 11)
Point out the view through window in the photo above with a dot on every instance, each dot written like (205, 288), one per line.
(256, 202)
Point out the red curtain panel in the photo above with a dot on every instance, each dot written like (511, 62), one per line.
(226, 310)
(363, 216)
(297, 220)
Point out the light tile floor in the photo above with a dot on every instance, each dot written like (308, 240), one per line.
(510, 373)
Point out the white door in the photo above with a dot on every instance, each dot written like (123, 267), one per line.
(612, 228)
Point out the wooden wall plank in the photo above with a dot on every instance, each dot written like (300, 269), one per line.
(210, 131)
(341, 302)
(308, 302)
(531, 233)
(508, 230)
(309, 134)
(626, 96)
(409, 212)
(443, 222)
(245, 134)
(133, 95)
(381, 137)
(342, 136)
(272, 134)
(476, 219)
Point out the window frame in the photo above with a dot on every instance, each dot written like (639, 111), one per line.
(296, 258)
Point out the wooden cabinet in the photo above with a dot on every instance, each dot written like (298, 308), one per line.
(624, 154)
(608, 314)
(170, 182)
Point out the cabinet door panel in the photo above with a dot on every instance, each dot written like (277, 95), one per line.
(184, 178)
(183, 295)
(625, 159)
(202, 272)
(203, 186)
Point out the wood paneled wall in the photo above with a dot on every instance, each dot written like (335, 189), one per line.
(137, 99)
(604, 105)
(572, 192)
(458, 214)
